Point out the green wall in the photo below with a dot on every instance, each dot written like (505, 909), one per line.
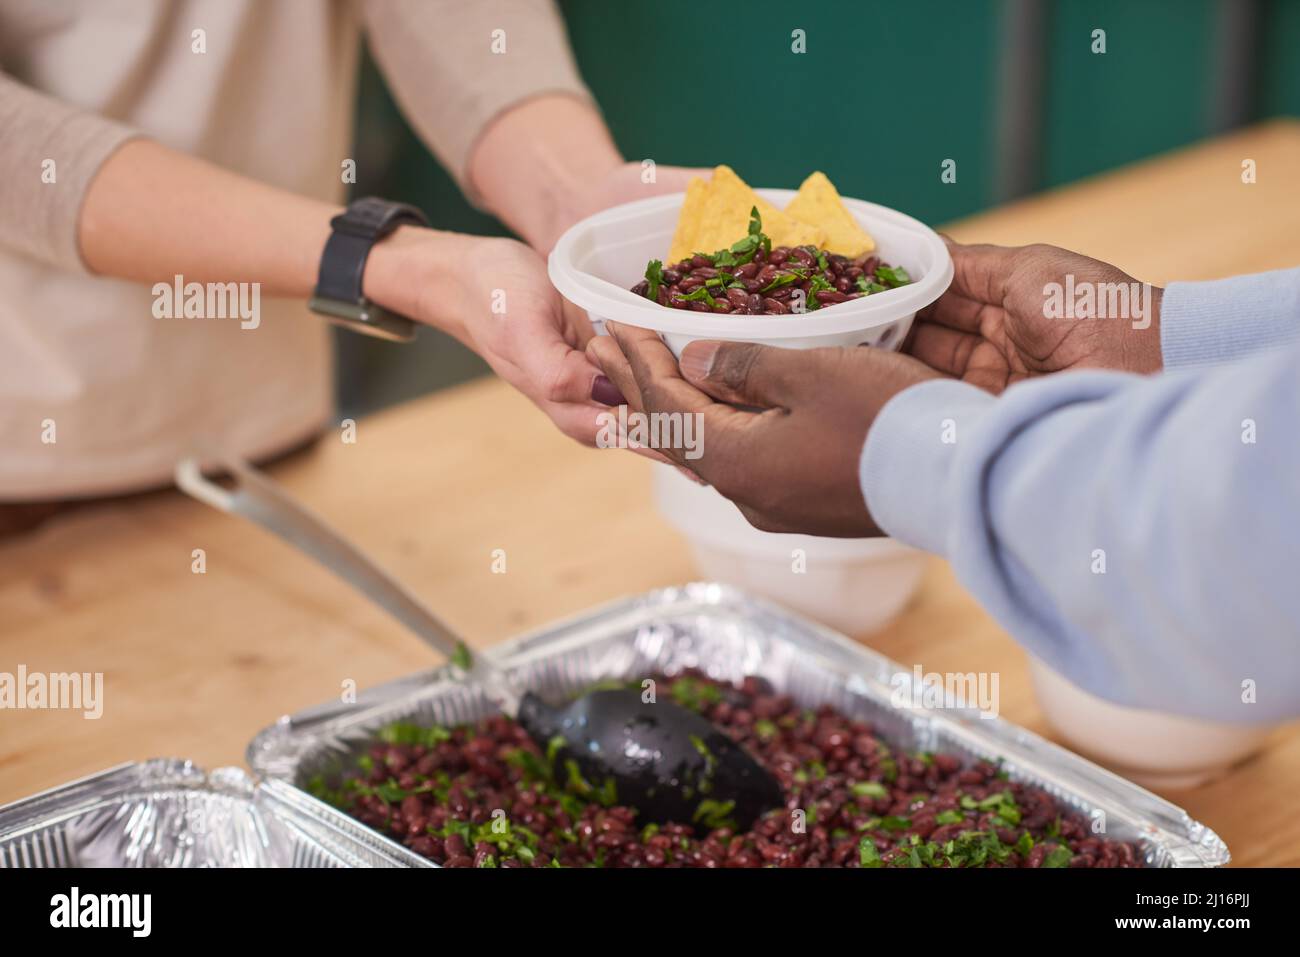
(1149, 92)
(884, 93)
(877, 102)
(1279, 64)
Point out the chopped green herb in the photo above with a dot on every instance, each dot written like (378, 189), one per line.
(784, 279)
(976, 848)
(892, 277)
(576, 782)
(390, 792)
(654, 274)
(743, 250)
(700, 294)
(1002, 804)
(714, 814)
(462, 659)
(918, 854)
(873, 789)
(342, 797)
(1058, 856)
(607, 793)
(534, 768)
(888, 766)
(816, 285)
(402, 732)
(868, 856)
(696, 695)
(868, 287)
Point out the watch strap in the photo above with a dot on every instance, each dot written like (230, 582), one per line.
(343, 264)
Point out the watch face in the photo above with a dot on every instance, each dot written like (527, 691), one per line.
(365, 317)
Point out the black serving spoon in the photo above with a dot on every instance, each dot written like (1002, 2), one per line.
(623, 746)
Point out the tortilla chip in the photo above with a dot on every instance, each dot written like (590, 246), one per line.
(716, 214)
(688, 220)
(819, 204)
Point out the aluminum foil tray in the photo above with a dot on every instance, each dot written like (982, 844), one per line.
(729, 635)
(169, 813)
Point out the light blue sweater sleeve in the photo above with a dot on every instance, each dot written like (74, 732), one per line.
(1206, 323)
(1140, 535)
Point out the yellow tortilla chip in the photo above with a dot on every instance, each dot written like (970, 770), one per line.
(716, 214)
(688, 220)
(819, 204)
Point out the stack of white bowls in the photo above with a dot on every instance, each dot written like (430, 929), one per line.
(855, 585)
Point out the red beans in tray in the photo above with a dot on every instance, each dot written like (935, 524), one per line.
(486, 796)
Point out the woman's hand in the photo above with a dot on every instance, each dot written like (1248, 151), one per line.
(792, 466)
(996, 324)
(494, 296)
(540, 167)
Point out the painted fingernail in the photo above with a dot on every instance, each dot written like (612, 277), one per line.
(692, 476)
(697, 360)
(605, 392)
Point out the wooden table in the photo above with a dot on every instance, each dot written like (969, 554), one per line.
(195, 664)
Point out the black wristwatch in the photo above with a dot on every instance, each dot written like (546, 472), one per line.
(343, 263)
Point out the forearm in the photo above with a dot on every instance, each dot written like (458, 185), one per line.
(152, 213)
(129, 208)
(1133, 533)
(534, 164)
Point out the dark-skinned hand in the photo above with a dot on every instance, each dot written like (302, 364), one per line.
(991, 327)
(790, 460)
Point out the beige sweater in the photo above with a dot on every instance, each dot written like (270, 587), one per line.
(83, 361)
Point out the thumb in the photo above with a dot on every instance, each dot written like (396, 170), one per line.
(980, 270)
(744, 373)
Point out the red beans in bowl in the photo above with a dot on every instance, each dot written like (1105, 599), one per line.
(780, 282)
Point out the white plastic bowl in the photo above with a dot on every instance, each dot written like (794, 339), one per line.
(1154, 749)
(596, 261)
(854, 585)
